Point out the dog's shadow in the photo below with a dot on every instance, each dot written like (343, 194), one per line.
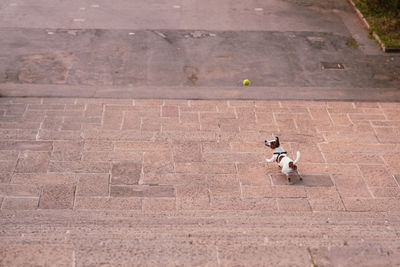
(296, 179)
(278, 178)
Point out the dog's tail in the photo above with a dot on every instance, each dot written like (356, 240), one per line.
(297, 158)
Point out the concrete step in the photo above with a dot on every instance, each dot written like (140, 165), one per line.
(206, 217)
(340, 93)
(93, 238)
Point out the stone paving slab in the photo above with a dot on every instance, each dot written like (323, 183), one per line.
(85, 154)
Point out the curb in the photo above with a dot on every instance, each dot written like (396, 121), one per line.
(380, 94)
(381, 44)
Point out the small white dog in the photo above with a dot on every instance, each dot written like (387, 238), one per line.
(288, 166)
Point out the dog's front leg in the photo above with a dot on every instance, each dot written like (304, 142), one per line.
(271, 159)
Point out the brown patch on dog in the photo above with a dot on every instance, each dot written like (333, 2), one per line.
(291, 165)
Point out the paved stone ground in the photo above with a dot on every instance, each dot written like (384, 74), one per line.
(164, 182)
(197, 155)
(89, 182)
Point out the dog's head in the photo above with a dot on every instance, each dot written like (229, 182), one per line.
(273, 143)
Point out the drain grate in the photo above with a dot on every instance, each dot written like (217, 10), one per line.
(332, 66)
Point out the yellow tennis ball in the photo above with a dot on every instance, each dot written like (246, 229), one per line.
(246, 82)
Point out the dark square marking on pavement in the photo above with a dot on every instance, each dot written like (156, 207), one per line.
(316, 180)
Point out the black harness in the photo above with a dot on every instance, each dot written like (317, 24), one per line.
(279, 155)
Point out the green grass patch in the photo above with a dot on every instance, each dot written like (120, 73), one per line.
(384, 18)
(351, 42)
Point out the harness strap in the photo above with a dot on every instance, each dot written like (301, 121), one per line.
(279, 155)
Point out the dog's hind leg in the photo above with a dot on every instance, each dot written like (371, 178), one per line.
(298, 174)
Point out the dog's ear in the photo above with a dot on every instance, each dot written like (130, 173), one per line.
(277, 142)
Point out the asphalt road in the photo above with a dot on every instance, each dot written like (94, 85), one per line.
(191, 49)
